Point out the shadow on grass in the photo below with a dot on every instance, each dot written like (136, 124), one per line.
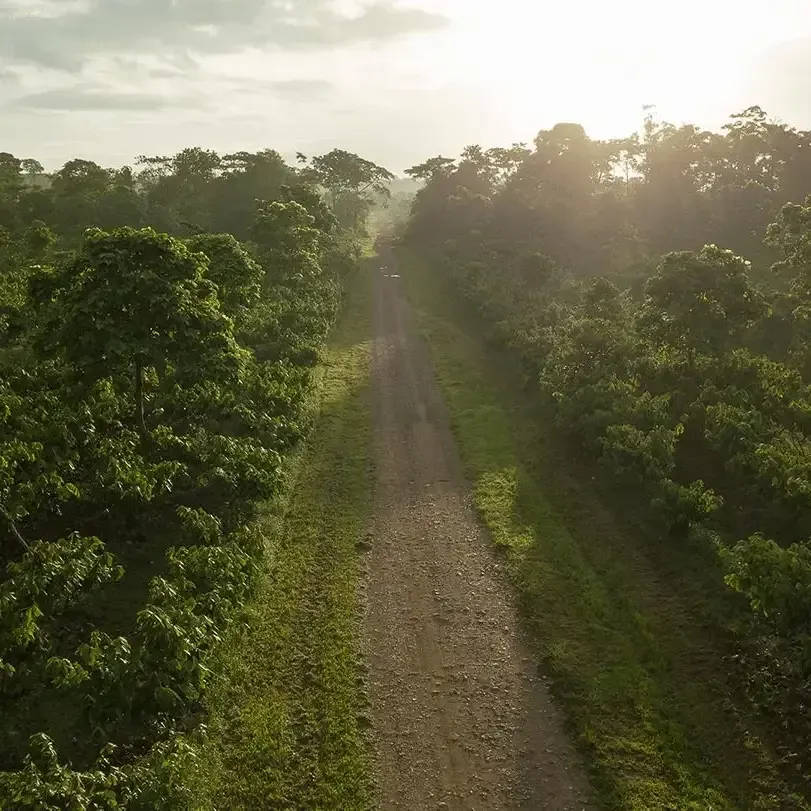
(631, 630)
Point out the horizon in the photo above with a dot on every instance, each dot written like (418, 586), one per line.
(289, 156)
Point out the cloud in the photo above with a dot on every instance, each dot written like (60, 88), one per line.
(66, 36)
(87, 97)
(181, 94)
(81, 99)
(8, 77)
(299, 89)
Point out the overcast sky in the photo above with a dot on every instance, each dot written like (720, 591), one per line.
(396, 81)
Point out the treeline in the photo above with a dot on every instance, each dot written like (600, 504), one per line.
(193, 191)
(616, 205)
(669, 359)
(151, 384)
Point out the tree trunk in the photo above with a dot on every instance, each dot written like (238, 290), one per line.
(139, 397)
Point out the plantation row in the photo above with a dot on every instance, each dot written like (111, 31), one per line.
(151, 386)
(686, 380)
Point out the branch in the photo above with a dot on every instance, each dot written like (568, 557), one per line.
(14, 531)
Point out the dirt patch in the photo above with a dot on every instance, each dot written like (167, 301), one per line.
(461, 718)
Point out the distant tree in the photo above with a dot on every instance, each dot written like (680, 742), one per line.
(39, 242)
(341, 172)
(10, 187)
(432, 168)
(181, 184)
(75, 190)
(10, 168)
(120, 206)
(351, 182)
(81, 178)
(31, 167)
(244, 178)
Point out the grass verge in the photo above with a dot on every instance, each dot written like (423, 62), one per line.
(631, 632)
(285, 713)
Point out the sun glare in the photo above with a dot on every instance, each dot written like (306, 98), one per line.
(599, 64)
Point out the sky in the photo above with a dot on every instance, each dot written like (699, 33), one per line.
(396, 81)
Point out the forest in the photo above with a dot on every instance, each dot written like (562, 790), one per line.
(159, 330)
(164, 331)
(655, 291)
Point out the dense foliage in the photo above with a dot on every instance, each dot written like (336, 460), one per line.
(158, 332)
(680, 366)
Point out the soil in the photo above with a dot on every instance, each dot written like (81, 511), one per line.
(461, 716)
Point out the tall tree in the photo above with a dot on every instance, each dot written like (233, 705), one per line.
(351, 181)
(132, 300)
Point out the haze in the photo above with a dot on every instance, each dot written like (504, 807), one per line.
(394, 81)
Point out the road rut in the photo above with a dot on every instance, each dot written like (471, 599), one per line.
(461, 718)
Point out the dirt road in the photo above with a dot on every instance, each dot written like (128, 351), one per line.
(460, 717)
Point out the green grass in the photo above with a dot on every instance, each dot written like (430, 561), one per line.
(287, 710)
(630, 631)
